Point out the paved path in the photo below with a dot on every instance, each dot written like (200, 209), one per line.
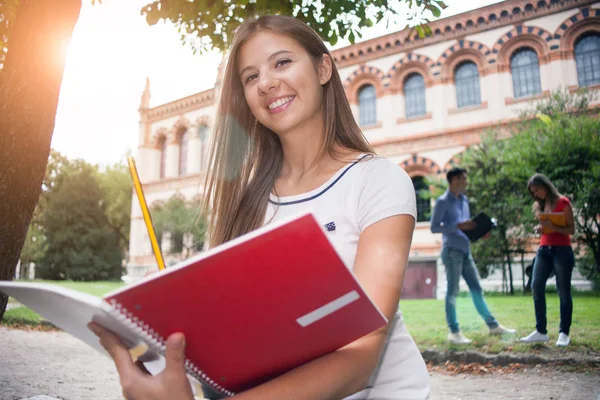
(58, 365)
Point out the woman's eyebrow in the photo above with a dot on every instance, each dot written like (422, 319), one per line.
(272, 56)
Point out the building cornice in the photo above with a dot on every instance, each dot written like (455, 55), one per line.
(179, 107)
(506, 13)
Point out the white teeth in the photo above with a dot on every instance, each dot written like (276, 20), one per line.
(280, 102)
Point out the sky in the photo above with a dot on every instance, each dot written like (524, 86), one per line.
(113, 51)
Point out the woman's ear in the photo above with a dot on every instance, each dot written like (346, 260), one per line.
(325, 69)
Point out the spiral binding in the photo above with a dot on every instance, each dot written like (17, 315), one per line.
(157, 343)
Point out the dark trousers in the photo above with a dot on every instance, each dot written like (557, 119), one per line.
(560, 260)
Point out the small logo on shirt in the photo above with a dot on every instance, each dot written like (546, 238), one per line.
(330, 226)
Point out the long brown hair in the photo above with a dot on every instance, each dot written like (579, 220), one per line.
(246, 157)
(542, 181)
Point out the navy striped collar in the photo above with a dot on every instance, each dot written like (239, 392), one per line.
(321, 192)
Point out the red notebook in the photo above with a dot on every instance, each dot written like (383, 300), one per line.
(250, 309)
(255, 307)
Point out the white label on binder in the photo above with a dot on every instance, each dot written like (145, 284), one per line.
(328, 308)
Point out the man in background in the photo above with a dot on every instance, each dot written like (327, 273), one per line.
(451, 217)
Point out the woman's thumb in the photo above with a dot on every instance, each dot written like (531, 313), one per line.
(175, 354)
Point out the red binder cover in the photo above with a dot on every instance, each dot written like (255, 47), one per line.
(256, 307)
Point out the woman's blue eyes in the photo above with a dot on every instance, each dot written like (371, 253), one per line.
(278, 64)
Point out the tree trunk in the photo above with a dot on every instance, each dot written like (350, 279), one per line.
(29, 87)
(504, 285)
(523, 271)
(510, 273)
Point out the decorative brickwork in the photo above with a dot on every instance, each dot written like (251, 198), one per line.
(588, 20)
(462, 51)
(407, 65)
(420, 166)
(364, 76)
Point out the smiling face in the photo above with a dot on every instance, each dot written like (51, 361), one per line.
(282, 84)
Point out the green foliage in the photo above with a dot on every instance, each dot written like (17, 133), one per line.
(563, 143)
(181, 220)
(211, 24)
(35, 244)
(116, 186)
(559, 138)
(51, 218)
(81, 245)
(494, 189)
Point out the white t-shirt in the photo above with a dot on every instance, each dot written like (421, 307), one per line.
(358, 195)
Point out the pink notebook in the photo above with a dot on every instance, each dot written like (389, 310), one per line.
(252, 308)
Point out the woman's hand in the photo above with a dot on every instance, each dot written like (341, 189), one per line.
(171, 383)
(539, 229)
(547, 224)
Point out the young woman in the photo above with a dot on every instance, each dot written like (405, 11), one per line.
(285, 140)
(554, 255)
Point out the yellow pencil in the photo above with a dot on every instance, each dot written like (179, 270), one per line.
(140, 195)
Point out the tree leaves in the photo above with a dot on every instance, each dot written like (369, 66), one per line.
(178, 218)
(557, 138)
(211, 24)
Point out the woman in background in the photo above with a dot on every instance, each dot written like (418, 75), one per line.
(555, 254)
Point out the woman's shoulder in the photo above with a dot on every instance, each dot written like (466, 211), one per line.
(374, 173)
(374, 166)
(564, 200)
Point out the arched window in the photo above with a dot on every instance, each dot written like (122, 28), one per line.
(466, 80)
(423, 204)
(367, 105)
(587, 58)
(203, 136)
(525, 71)
(163, 156)
(183, 151)
(414, 95)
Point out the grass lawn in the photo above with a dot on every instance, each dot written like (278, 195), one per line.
(426, 321)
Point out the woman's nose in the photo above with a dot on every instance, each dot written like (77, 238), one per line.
(267, 82)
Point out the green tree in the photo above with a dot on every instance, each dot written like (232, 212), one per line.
(116, 186)
(58, 167)
(560, 137)
(497, 191)
(563, 143)
(34, 247)
(81, 244)
(206, 24)
(178, 218)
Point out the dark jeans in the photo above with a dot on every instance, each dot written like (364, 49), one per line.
(561, 260)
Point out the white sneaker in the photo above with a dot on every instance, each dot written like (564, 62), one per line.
(563, 340)
(502, 330)
(458, 338)
(534, 337)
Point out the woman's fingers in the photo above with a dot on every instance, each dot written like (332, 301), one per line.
(115, 348)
